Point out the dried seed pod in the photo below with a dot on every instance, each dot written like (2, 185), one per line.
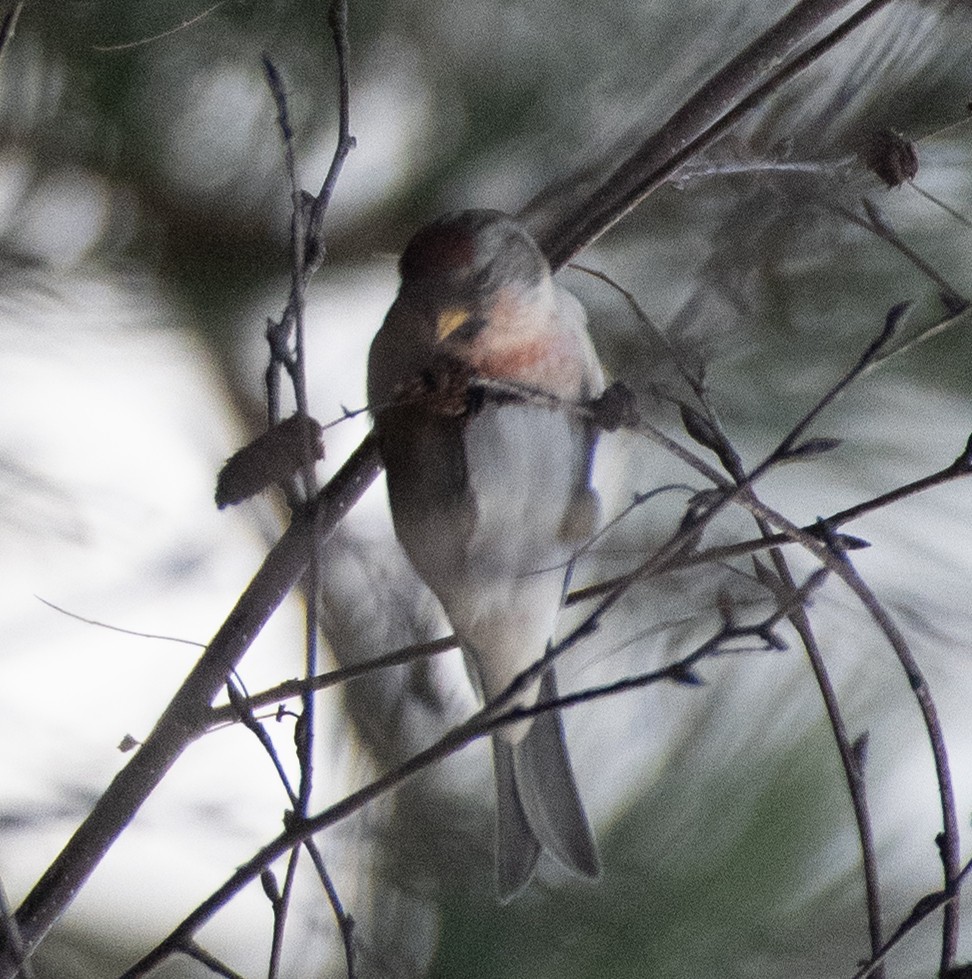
(274, 456)
(892, 157)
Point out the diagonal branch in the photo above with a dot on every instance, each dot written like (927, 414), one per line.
(737, 89)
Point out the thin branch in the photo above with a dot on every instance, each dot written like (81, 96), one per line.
(721, 102)
(200, 955)
(474, 728)
(949, 838)
(878, 225)
(949, 321)
(689, 376)
(852, 762)
(962, 466)
(788, 445)
(118, 628)
(841, 566)
(337, 18)
(709, 433)
(279, 904)
(344, 920)
(243, 707)
(948, 209)
(296, 688)
(142, 41)
(481, 724)
(927, 906)
(838, 563)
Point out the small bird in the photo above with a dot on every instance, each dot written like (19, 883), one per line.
(491, 494)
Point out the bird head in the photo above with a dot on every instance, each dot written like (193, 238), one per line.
(458, 266)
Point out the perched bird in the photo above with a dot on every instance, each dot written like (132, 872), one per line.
(490, 494)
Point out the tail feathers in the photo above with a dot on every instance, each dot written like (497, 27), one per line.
(538, 804)
(517, 848)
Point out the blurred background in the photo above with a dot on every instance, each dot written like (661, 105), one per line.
(144, 221)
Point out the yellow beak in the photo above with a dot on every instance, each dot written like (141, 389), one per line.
(448, 321)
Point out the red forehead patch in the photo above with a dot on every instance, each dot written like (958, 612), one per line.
(436, 250)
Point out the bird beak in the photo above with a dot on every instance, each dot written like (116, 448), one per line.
(448, 321)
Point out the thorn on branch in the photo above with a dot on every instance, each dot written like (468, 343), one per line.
(811, 448)
(128, 743)
(275, 83)
(964, 462)
(834, 541)
(850, 542)
(683, 674)
(891, 321)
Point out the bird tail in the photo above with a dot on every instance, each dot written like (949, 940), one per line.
(538, 806)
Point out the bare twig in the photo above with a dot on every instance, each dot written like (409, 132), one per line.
(118, 628)
(708, 432)
(841, 566)
(296, 688)
(788, 446)
(243, 707)
(949, 838)
(337, 17)
(876, 223)
(199, 954)
(280, 904)
(928, 905)
(718, 105)
(295, 362)
(307, 254)
(482, 723)
(947, 322)
(962, 466)
(485, 721)
(938, 202)
(142, 41)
